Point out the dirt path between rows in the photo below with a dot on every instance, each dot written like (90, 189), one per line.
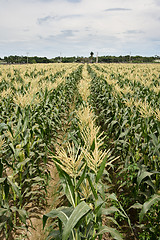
(36, 217)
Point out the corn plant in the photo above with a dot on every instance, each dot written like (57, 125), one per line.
(80, 169)
(30, 118)
(133, 129)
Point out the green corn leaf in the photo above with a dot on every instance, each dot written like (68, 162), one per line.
(3, 211)
(38, 179)
(111, 210)
(113, 123)
(99, 205)
(114, 233)
(67, 185)
(147, 205)
(62, 213)
(92, 187)
(55, 213)
(81, 178)
(124, 123)
(56, 235)
(122, 212)
(6, 188)
(3, 126)
(113, 197)
(81, 210)
(60, 225)
(68, 189)
(1, 168)
(51, 214)
(101, 169)
(124, 134)
(151, 184)
(143, 175)
(22, 213)
(2, 180)
(15, 188)
(21, 164)
(136, 206)
(154, 139)
(12, 148)
(113, 220)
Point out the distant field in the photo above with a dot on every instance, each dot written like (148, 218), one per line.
(100, 125)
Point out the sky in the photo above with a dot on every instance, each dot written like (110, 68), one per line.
(65, 28)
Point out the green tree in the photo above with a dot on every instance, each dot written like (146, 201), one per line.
(91, 56)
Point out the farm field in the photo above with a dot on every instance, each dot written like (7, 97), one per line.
(80, 149)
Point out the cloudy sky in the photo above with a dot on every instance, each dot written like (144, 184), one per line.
(77, 27)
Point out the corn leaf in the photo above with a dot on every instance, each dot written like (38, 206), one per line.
(114, 233)
(81, 178)
(92, 187)
(81, 210)
(143, 175)
(62, 213)
(147, 205)
(101, 169)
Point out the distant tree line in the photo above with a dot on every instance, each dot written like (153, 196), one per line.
(126, 59)
(101, 59)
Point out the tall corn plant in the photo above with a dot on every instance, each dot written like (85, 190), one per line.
(26, 129)
(80, 170)
(134, 133)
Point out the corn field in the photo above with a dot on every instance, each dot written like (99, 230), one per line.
(99, 125)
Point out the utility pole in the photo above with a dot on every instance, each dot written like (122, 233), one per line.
(97, 58)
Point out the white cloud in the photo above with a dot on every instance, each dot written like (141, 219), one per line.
(76, 27)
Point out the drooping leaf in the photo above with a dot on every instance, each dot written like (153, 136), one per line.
(143, 175)
(3, 211)
(23, 215)
(113, 197)
(111, 210)
(114, 233)
(113, 220)
(81, 210)
(136, 206)
(147, 205)
(62, 213)
(21, 164)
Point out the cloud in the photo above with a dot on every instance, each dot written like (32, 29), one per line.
(61, 37)
(117, 9)
(134, 32)
(45, 19)
(72, 1)
(157, 2)
(77, 27)
(50, 18)
(68, 33)
(156, 40)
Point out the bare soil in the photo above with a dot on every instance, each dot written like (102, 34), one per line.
(37, 232)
